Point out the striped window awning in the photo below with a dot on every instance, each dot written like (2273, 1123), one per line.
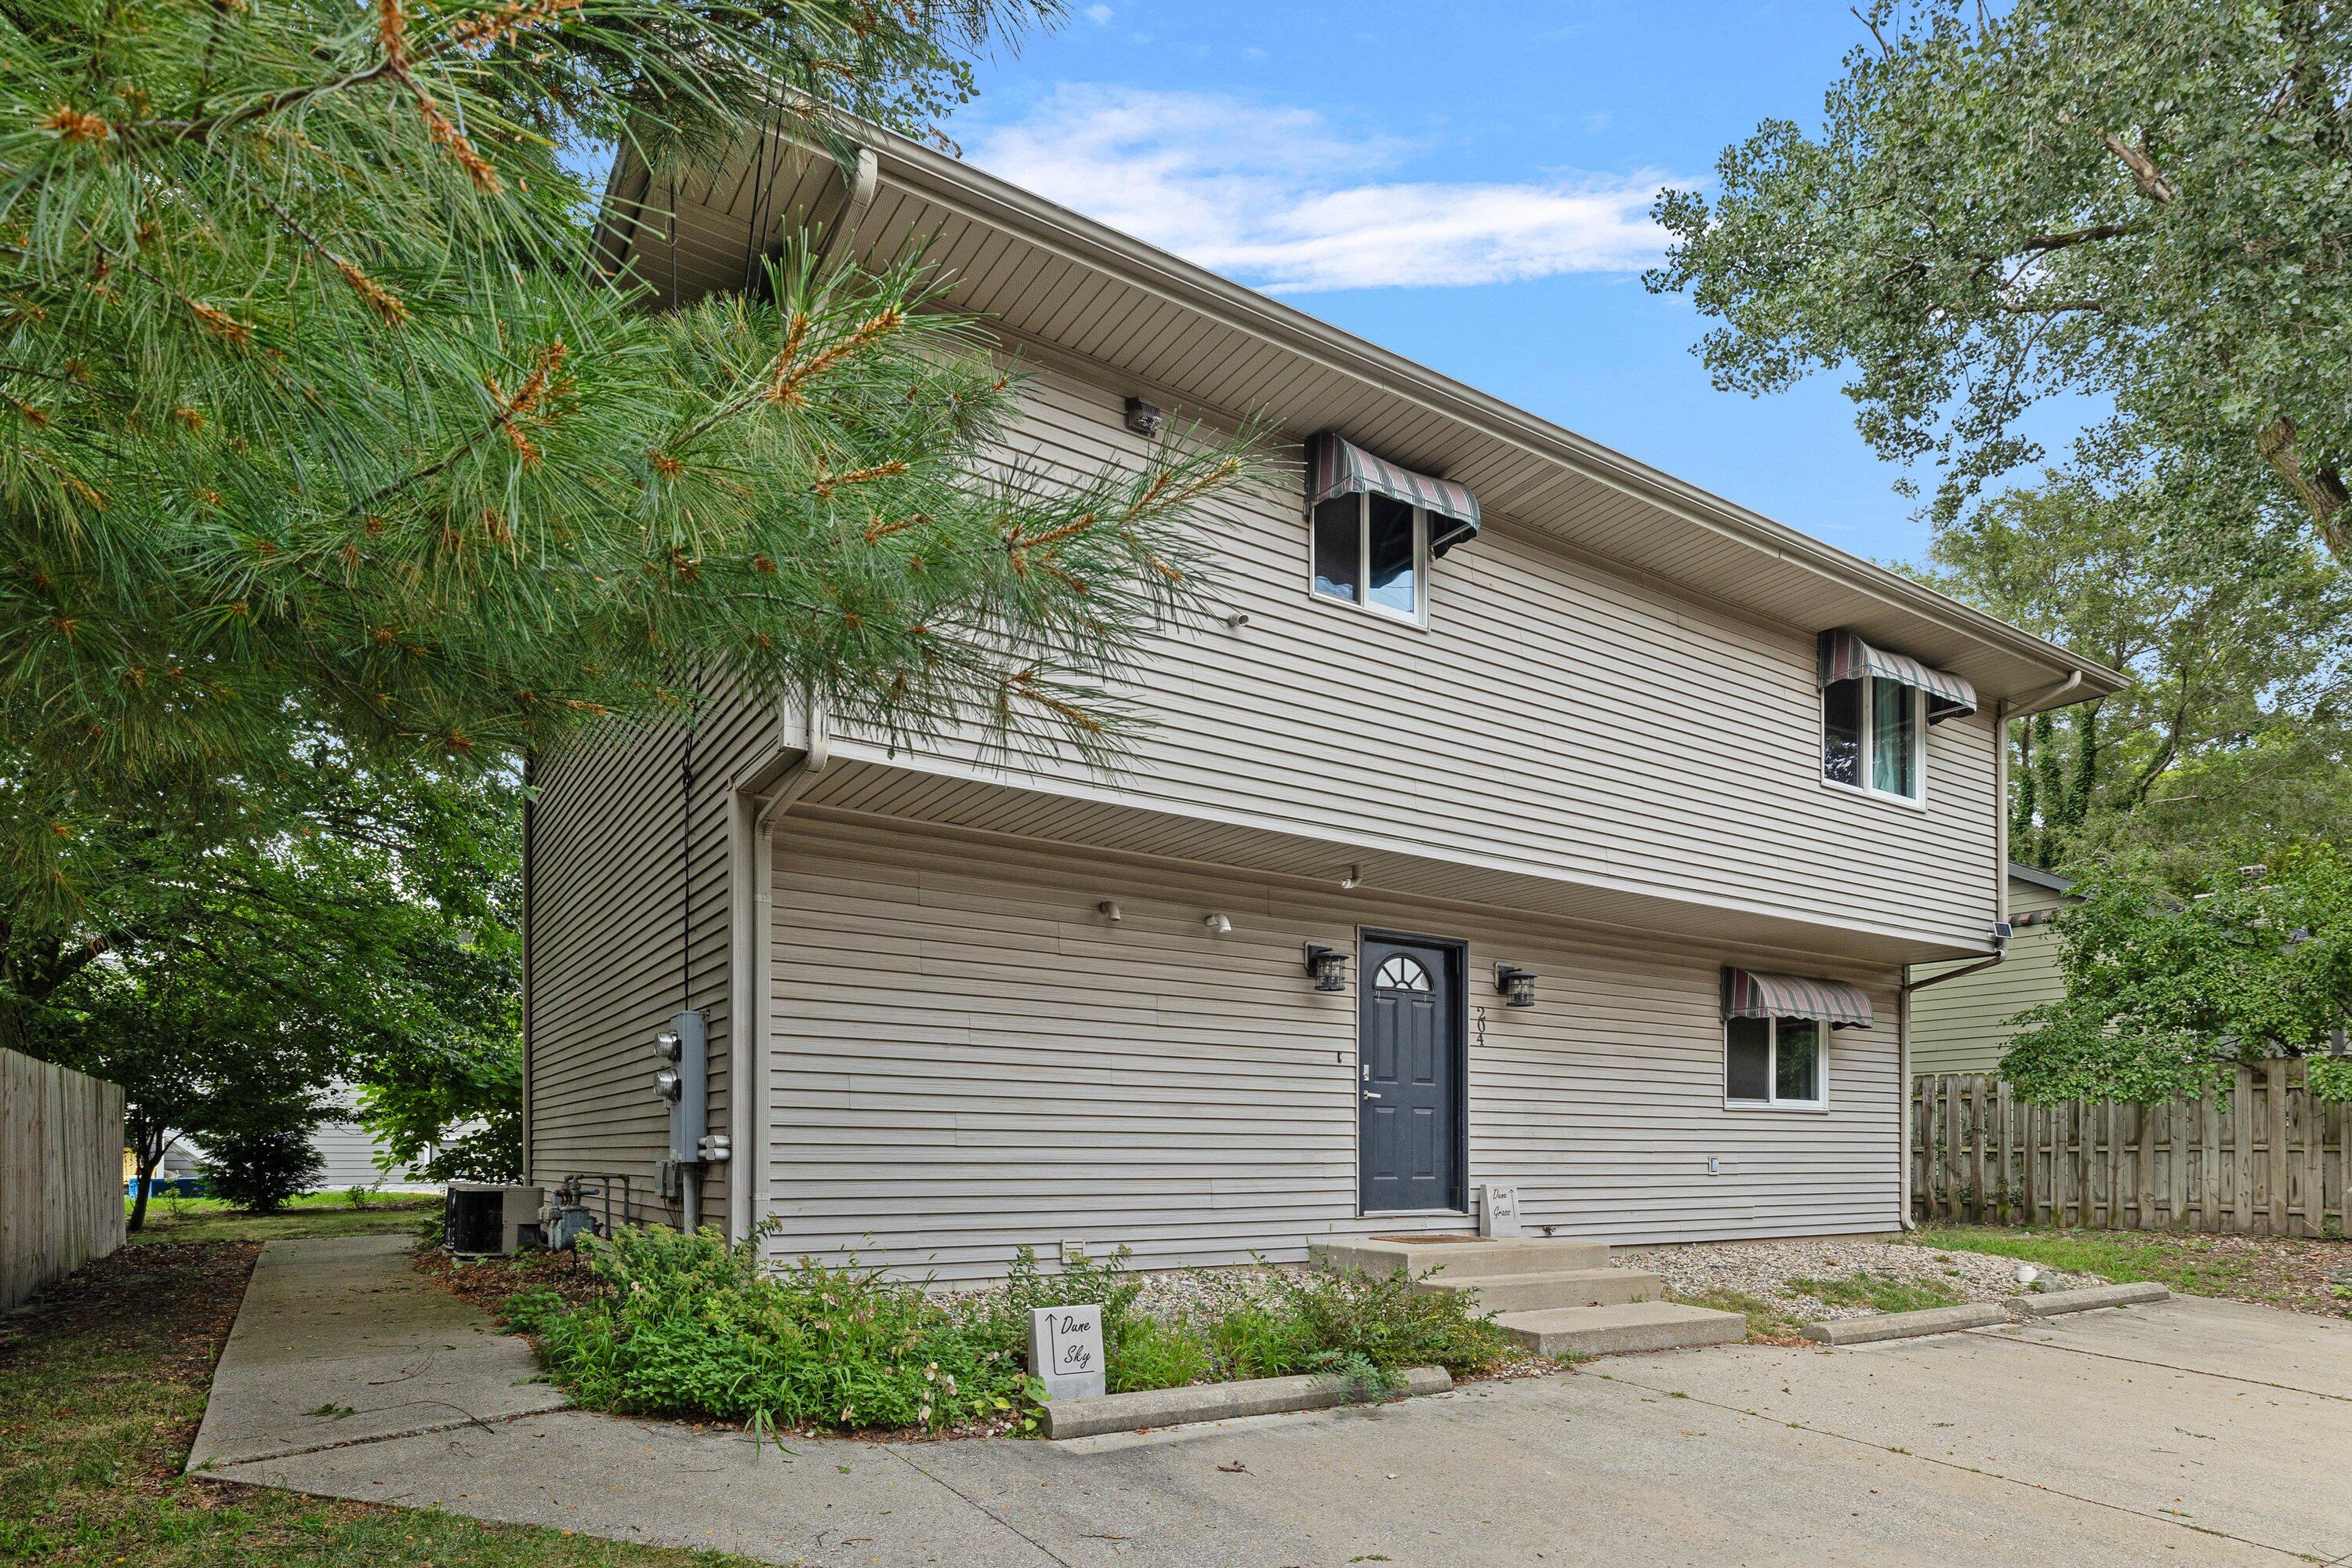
(1747, 995)
(1845, 656)
(1338, 467)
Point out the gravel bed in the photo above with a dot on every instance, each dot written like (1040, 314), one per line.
(1763, 1268)
(1172, 1293)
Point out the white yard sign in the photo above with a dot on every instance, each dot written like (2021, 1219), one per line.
(1499, 1213)
(1066, 1349)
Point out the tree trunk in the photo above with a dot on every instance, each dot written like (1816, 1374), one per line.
(2322, 490)
(150, 1156)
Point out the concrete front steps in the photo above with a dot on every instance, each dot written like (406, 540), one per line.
(1555, 1297)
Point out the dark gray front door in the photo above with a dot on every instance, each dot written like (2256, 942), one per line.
(1410, 1075)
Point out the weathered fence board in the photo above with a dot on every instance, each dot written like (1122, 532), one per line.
(2263, 1156)
(61, 1173)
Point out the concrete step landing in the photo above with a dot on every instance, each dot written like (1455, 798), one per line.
(1555, 1287)
(1467, 1258)
(1632, 1326)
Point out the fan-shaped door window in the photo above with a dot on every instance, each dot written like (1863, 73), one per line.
(1402, 973)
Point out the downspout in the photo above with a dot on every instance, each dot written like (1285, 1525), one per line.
(751, 874)
(2003, 711)
(530, 930)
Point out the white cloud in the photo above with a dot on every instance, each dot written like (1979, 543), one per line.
(1281, 199)
(1099, 15)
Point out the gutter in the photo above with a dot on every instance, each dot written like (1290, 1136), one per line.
(960, 186)
(883, 156)
(751, 815)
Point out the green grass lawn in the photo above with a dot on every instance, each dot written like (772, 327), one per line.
(2248, 1269)
(102, 1392)
(316, 1214)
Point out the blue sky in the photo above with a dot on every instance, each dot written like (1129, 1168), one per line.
(1468, 185)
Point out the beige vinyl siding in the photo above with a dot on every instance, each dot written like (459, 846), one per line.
(615, 890)
(1555, 719)
(968, 1056)
(1965, 1024)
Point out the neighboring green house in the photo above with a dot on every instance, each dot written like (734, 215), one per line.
(1964, 1025)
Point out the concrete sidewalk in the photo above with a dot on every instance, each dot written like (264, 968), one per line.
(2194, 1432)
(345, 1341)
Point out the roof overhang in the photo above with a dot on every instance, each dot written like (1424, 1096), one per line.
(1061, 286)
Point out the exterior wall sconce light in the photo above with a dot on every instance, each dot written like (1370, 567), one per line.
(1328, 966)
(1144, 418)
(1518, 984)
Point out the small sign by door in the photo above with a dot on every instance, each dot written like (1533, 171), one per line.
(1498, 1210)
(1066, 1350)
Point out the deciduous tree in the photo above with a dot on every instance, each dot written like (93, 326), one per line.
(2150, 202)
(2166, 994)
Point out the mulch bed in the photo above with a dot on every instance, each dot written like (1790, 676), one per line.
(490, 1282)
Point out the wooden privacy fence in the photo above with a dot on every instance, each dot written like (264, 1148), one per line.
(61, 1173)
(2263, 1156)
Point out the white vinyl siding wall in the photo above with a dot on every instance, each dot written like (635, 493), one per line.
(1553, 718)
(969, 1057)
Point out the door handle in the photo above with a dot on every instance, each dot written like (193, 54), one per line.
(1369, 1095)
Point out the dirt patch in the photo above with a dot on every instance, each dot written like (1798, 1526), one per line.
(2304, 1274)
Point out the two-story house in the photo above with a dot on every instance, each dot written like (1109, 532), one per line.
(1527, 817)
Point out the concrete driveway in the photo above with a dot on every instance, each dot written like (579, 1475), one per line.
(2191, 1432)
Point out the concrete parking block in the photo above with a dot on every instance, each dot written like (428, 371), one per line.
(1907, 1325)
(1219, 1402)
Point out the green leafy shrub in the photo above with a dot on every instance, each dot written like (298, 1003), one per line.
(1270, 1324)
(688, 1325)
(1140, 1351)
(260, 1168)
(1278, 1324)
(692, 1326)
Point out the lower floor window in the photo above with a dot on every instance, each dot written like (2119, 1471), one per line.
(1772, 1061)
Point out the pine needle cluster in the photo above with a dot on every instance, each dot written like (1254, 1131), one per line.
(316, 414)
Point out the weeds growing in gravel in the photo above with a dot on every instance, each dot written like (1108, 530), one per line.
(1879, 1292)
(1766, 1320)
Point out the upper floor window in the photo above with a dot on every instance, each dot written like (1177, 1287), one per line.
(1373, 552)
(1870, 735)
(1876, 707)
(1376, 528)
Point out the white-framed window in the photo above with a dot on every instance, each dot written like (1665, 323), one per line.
(1776, 1062)
(1372, 551)
(1874, 736)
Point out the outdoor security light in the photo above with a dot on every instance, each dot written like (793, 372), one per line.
(1328, 966)
(1515, 984)
(1144, 418)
